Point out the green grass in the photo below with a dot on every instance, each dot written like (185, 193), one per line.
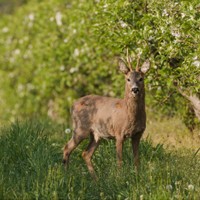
(31, 168)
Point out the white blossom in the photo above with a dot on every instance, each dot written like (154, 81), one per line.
(151, 38)
(183, 15)
(177, 34)
(65, 40)
(74, 31)
(20, 88)
(190, 7)
(69, 99)
(165, 13)
(169, 187)
(105, 5)
(191, 17)
(62, 68)
(76, 52)
(196, 63)
(26, 38)
(5, 29)
(191, 187)
(72, 70)
(58, 18)
(17, 51)
(123, 24)
(51, 19)
(11, 75)
(67, 130)
(195, 58)
(31, 16)
(162, 29)
(30, 86)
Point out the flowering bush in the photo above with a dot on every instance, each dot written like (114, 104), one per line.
(49, 57)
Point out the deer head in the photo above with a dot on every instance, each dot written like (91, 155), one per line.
(134, 77)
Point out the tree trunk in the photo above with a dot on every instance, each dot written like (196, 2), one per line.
(194, 100)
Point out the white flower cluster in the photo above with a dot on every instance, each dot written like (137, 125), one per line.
(169, 187)
(176, 33)
(165, 13)
(196, 62)
(67, 130)
(123, 24)
(76, 52)
(5, 29)
(62, 68)
(31, 16)
(58, 18)
(16, 52)
(190, 187)
(73, 69)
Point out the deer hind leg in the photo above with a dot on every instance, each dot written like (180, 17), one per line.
(87, 155)
(70, 146)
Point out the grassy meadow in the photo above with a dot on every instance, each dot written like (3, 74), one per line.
(31, 167)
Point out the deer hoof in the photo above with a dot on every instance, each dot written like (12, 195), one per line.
(64, 161)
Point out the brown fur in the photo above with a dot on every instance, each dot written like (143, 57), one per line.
(100, 117)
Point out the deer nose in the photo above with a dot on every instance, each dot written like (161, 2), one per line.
(135, 90)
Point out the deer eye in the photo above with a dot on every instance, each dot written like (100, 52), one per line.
(141, 79)
(128, 80)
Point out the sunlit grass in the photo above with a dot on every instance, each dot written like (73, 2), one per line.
(171, 132)
(31, 168)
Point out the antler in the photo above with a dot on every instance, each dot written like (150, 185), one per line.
(129, 62)
(138, 63)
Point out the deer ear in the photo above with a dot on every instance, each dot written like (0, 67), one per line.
(145, 67)
(122, 67)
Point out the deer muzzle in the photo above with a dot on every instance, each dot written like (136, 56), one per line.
(135, 90)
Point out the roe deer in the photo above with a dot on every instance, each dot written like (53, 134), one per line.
(106, 117)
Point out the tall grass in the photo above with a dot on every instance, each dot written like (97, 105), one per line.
(31, 168)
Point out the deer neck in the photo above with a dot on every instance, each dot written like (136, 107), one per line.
(135, 107)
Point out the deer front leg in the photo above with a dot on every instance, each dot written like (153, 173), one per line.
(135, 145)
(119, 145)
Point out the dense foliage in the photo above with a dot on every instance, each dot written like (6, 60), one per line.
(49, 58)
(31, 168)
(55, 51)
